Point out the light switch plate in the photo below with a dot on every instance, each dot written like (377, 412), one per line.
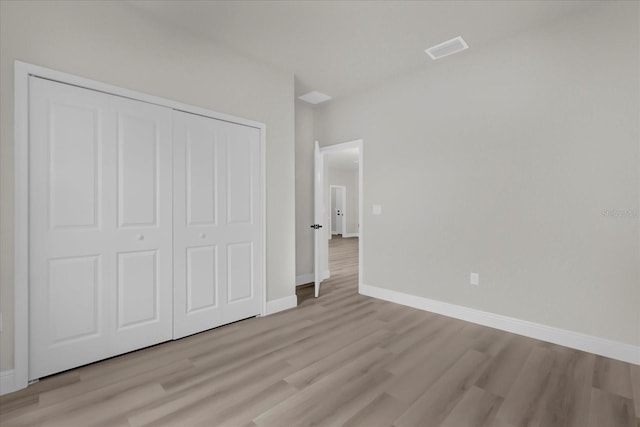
(377, 209)
(474, 279)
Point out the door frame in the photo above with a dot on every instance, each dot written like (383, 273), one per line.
(344, 204)
(22, 72)
(359, 144)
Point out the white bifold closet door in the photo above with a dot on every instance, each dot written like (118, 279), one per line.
(217, 225)
(100, 226)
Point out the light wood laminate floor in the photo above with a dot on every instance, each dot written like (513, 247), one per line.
(341, 359)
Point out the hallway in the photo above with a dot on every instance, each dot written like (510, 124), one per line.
(343, 265)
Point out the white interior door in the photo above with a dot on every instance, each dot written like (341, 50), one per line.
(217, 225)
(319, 237)
(100, 226)
(339, 209)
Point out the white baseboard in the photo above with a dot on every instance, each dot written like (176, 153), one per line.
(7, 382)
(347, 235)
(304, 279)
(281, 304)
(589, 343)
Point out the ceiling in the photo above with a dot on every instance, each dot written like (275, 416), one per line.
(342, 47)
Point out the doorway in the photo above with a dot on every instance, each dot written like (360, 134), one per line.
(339, 165)
(337, 207)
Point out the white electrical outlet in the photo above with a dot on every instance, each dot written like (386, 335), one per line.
(474, 279)
(376, 209)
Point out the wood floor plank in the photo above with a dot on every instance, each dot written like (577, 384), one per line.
(236, 412)
(522, 402)
(406, 321)
(193, 378)
(381, 412)
(428, 345)
(305, 409)
(436, 357)
(68, 392)
(334, 342)
(477, 408)
(318, 370)
(181, 404)
(567, 398)
(92, 400)
(102, 412)
(26, 400)
(613, 376)
(439, 400)
(403, 341)
(340, 359)
(340, 407)
(239, 404)
(500, 374)
(635, 385)
(609, 409)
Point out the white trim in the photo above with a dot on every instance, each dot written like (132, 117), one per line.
(347, 235)
(35, 70)
(281, 304)
(263, 206)
(303, 279)
(7, 382)
(21, 224)
(592, 344)
(21, 149)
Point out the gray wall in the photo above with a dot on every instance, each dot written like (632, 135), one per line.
(113, 43)
(502, 161)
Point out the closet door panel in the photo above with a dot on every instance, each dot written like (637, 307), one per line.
(201, 177)
(198, 267)
(217, 246)
(202, 278)
(138, 288)
(239, 179)
(69, 224)
(74, 165)
(144, 288)
(74, 298)
(243, 233)
(138, 159)
(240, 282)
(100, 226)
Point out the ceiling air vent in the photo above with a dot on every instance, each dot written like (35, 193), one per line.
(314, 97)
(447, 48)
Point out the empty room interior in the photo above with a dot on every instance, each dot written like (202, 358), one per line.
(334, 213)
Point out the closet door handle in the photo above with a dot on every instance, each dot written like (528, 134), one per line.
(140, 237)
